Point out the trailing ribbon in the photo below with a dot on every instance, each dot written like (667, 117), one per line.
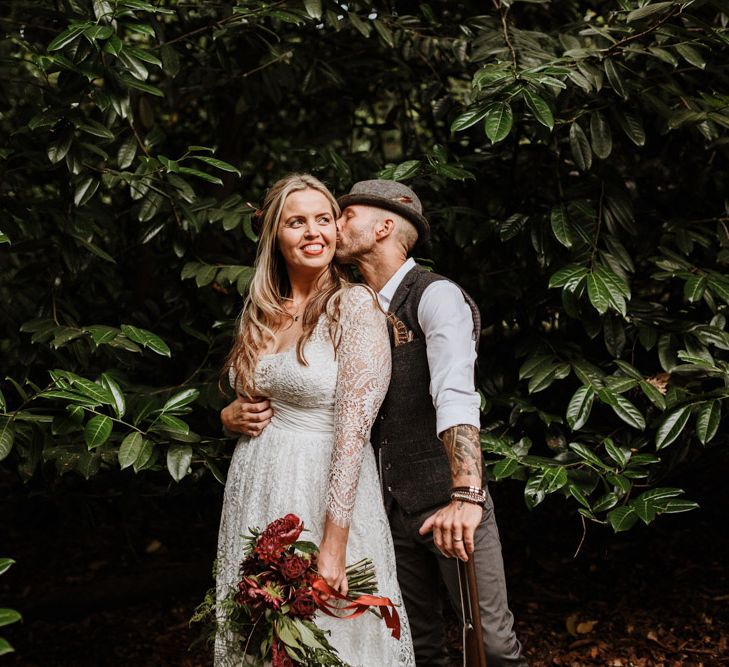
(356, 607)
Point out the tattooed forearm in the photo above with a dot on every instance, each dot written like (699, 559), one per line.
(463, 447)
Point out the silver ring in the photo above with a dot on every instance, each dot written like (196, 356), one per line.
(458, 539)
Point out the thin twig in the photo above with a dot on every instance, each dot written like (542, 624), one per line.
(619, 45)
(503, 12)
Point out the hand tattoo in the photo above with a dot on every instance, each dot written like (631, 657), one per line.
(463, 447)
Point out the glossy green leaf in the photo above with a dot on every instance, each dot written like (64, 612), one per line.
(119, 403)
(600, 135)
(58, 149)
(147, 339)
(623, 408)
(505, 468)
(85, 190)
(131, 82)
(708, 418)
(218, 164)
(568, 275)
(96, 129)
(539, 108)
(693, 288)
(179, 458)
(8, 616)
(561, 227)
(580, 147)
(649, 10)
(579, 495)
(622, 518)
(498, 122)
(631, 125)
(654, 396)
(579, 407)
(690, 55)
(127, 152)
(7, 436)
(146, 452)
(598, 293)
(587, 454)
(130, 449)
(672, 426)
(67, 36)
(406, 170)
(97, 431)
(201, 174)
(613, 77)
(6, 564)
(180, 400)
(313, 8)
(616, 453)
(470, 118)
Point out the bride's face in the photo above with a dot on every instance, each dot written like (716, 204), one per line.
(306, 233)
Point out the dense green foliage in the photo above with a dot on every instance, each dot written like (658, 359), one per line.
(572, 157)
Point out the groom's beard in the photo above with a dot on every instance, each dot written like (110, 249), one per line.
(356, 247)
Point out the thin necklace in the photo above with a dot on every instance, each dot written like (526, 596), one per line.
(295, 316)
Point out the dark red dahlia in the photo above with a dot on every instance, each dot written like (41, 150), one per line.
(303, 605)
(294, 567)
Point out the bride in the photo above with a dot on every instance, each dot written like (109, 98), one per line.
(317, 347)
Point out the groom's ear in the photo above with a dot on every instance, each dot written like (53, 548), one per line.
(383, 228)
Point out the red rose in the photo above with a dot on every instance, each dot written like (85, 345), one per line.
(293, 568)
(279, 656)
(303, 605)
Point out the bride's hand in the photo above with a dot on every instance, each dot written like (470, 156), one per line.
(246, 416)
(331, 566)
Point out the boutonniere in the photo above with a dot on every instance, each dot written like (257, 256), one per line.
(400, 333)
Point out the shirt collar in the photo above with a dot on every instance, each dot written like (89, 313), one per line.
(388, 291)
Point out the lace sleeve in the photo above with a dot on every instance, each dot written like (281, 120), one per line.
(363, 376)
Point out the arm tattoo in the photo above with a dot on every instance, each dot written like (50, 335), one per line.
(463, 447)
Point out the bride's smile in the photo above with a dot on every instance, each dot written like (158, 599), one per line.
(307, 234)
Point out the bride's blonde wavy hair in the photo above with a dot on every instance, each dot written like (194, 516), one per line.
(263, 308)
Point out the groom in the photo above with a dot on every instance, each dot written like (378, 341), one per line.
(427, 432)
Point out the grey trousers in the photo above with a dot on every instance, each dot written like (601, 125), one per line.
(420, 566)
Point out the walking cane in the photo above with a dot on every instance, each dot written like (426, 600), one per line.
(474, 652)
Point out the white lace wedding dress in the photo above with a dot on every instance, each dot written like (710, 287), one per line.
(314, 459)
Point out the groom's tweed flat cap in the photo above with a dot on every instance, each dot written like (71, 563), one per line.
(392, 196)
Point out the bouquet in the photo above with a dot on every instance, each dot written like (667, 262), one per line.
(271, 611)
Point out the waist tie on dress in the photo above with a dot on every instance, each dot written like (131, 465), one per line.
(292, 417)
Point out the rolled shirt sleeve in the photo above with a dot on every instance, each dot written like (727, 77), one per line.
(447, 322)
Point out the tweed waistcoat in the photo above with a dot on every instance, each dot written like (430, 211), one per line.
(414, 468)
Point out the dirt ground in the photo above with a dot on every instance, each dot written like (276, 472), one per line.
(111, 577)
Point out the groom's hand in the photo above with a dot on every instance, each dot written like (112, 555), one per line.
(453, 528)
(247, 416)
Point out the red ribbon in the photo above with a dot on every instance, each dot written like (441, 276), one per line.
(356, 607)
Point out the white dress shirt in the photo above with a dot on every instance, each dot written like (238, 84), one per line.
(447, 322)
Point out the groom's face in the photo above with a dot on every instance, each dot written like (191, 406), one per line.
(356, 232)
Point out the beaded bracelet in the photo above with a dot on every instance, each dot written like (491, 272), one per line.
(467, 497)
(470, 489)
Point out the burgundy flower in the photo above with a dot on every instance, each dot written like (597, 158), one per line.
(303, 605)
(286, 529)
(294, 567)
(279, 656)
(250, 592)
(268, 548)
